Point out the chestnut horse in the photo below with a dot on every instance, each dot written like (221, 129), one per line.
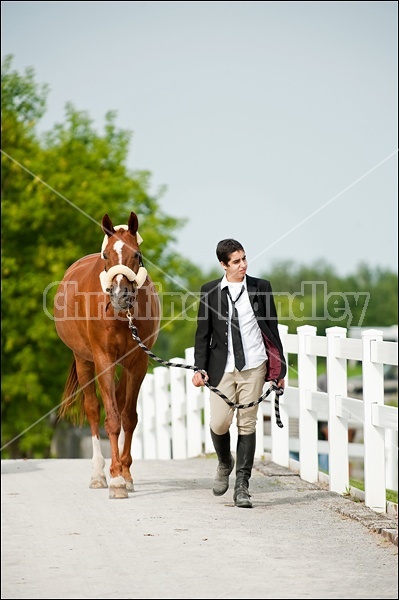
(90, 309)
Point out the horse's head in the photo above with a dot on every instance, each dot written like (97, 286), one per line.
(124, 272)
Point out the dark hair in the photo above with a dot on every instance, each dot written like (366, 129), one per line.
(225, 249)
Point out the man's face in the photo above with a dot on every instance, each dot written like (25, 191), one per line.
(237, 266)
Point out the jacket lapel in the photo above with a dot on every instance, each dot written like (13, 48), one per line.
(223, 298)
(252, 289)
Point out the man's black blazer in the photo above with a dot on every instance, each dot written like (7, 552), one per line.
(210, 351)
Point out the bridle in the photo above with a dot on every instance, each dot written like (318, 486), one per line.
(106, 277)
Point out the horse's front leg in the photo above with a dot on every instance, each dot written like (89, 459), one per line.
(125, 444)
(125, 436)
(133, 375)
(106, 382)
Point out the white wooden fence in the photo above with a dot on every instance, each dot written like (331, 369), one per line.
(174, 415)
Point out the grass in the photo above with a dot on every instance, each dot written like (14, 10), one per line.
(391, 495)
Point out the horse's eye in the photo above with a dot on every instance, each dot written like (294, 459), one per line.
(105, 255)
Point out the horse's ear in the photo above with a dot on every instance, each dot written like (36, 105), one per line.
(133, 223)
(107, 226)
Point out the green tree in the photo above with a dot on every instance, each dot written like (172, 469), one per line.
(382, 287)
(56, 189)
(316, 295)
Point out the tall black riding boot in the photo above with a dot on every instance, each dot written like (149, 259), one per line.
(226, 463)
(245, 460)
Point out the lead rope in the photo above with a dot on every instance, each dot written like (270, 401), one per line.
(273, 387)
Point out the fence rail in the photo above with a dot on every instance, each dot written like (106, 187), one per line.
(174, 415)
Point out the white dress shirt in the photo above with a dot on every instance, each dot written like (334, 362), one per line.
(252, 341)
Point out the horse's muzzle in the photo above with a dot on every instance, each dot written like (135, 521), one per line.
(123, 298)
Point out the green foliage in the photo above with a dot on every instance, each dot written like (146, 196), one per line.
(56, 189)
(316, 295)
(179, 311)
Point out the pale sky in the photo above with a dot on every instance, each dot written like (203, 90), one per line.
(274, 123)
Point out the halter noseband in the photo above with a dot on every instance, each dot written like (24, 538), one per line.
(106, 277)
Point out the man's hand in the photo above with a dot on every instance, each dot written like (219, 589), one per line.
(281, 383)
(199, 379)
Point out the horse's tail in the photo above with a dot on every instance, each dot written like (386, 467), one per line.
(72, 399)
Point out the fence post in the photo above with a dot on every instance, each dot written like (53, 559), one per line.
(162, 412)
(391, 452)
(374, 437)
(307, 381)
(209, 449)
(234, 433)
(337, 427)
(137, 446)
(194, 412)
(280, 437)
(148, 412)
(178, 410)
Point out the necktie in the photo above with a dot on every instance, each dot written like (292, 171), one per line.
(238, 349)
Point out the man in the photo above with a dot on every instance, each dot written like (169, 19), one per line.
(238, 345)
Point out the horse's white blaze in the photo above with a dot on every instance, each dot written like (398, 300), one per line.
(98, 461)
(121, 440)
(118, 249)
(118, 280)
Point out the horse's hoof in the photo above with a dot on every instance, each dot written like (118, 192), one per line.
(119, 492)
(129, 485)
(117, 488)
(98, 482)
